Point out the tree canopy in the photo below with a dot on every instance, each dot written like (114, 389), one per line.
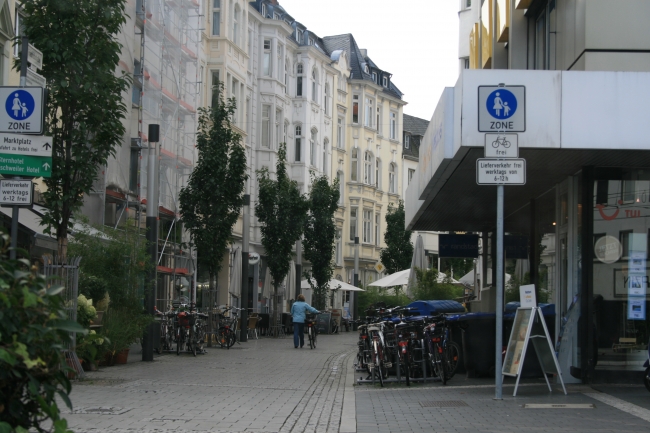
(282, 211)
(398, 253)
(85, 108)
(320, 230)
(212, 200)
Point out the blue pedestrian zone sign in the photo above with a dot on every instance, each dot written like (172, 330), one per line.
(20, 105)
(22, 112)
(502, 109)
(501, 104)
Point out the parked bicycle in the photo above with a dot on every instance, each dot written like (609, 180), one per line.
(227, 331)
(312, 330)
(166, 330)
(443, 354)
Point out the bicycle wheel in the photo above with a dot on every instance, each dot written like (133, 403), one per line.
(179, 341)
(453, 355)
(646, 379)
(314, 338)
(223, 337)
(232, 338)
(191, 341)
(406, 368)
(444, 363)
(200, 338)
(434, 358)
(376, 370)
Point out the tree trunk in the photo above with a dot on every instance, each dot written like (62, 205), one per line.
(276, 320)
(211, 313)
(63, 247)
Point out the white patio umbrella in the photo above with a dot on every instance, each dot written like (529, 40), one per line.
(290, 283)
(266, 288)
(419, 261)
(395, 279)
(468, 278)
(333, 285)
(235, 277)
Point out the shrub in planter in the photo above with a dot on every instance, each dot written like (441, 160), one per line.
(33, 331)
(122, 327)
(93, 288)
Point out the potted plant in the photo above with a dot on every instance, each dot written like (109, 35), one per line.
(122, 327)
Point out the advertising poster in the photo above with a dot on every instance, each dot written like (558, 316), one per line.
(636, 308)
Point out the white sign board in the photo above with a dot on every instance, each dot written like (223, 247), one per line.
(527, 296)
(34, 57)
(500, 172)
(34, 79)
(19, 144)
(501, 146)
(253, 258)
(501, 109)
(15, 192)
(21, 110)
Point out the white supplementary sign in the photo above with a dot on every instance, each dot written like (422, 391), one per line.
(15, 192)
(19, 144)
(21, 110)
(35, 80)
(34, 57)
(527, 296)
(501, 109)
(500, 172)
(504, 146)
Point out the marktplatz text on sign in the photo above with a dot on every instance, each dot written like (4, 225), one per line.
(500, 172)
(15, 192)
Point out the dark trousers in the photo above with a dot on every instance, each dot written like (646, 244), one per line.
(298, 334)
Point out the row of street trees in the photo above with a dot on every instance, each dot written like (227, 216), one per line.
(213, 198)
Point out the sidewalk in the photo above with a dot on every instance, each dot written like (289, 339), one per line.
(268, 386)
(263, 385)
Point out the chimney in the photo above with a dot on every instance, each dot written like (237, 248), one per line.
(274, 2)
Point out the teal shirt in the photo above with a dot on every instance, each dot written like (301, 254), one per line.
(299, 310)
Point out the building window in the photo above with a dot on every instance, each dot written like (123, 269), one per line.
(326, 100)
(366, 70)
(299, 79)
(235, 25)
(339, 252)
(339, 133)
(393, 125)
(411, 173)
(540, 41)
(299, 36)
(368, 113)
(326, 143)
(391, 178)
(374, 77)
(266, 125)
(216, 17)
(355, 109)
(377, 232)
(314, 95)
(276, 16)
(354, 168)
(353, 223)
(278, 126)
(407, 141)
(385, 80)
(266, 60)
(367, 226)
(367, 168)
(341, 178)
(312, 147)
(215, 88)
(377, 172)
(298, 147)
(378, 119)
(263, 10)
(279, 61)
(286, 76)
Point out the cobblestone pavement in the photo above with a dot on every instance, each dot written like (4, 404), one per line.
(263, 385)
(471, 407)
(268, 386)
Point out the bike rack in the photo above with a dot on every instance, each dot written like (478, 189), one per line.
(399, 378)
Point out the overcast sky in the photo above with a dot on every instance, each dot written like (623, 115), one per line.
(415, 40)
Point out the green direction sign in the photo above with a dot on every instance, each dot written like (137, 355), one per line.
(25, 165)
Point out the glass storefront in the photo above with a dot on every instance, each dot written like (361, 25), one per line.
(621, 227)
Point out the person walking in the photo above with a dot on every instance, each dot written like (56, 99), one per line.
(299, 310)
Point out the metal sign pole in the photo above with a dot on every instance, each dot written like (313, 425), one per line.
(498, 377)
(244, 269)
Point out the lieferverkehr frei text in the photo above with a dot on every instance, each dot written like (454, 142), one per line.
(499, 167)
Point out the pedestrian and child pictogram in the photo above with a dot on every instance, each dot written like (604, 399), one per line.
(22, 112)
(501, 104)
(20, 105)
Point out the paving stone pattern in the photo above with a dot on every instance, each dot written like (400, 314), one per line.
(263, 385)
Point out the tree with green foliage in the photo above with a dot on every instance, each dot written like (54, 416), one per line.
(429, 289)
(85, 109)
(398, 253)
(33, 330)
(213, 198)
(320, 230)
(282, 212)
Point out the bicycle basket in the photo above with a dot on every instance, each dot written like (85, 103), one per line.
(183, 319)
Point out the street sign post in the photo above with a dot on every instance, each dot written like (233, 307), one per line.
(14, 192)
(34, 57)
(21, 110)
